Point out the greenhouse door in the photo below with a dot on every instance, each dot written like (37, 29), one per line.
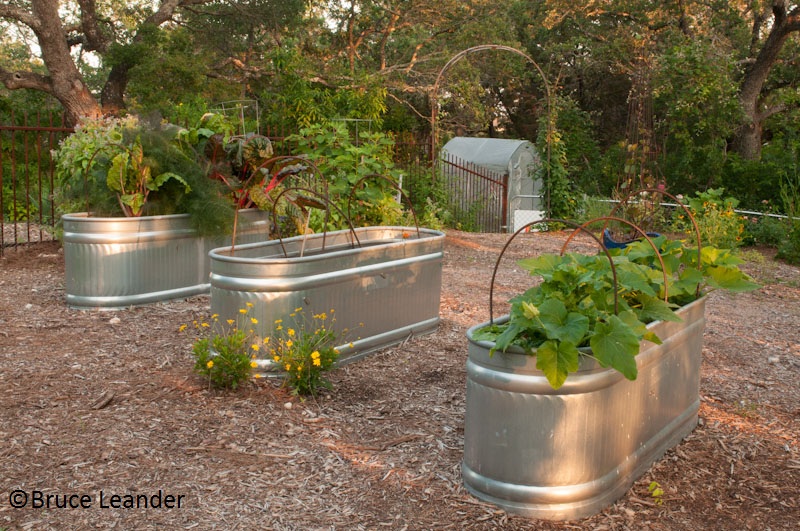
(477, 197)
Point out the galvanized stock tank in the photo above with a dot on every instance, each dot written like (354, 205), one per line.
(567, 453)
(382, 283)
(119, 262)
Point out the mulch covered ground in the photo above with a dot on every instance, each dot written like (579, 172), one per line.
(106, 402)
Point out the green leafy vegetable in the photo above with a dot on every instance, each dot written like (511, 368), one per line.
(574, 305)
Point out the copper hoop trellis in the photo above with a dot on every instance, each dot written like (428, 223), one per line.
(572, 224)
(635, 227)
(328, 204)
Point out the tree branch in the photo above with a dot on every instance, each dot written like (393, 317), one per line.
(770, 111)
(25, 80)
(90, 26)
(20, 15)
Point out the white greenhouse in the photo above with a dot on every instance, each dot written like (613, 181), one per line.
(511, 162)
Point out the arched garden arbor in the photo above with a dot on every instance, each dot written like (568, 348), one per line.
(461, 55)
(435, 111)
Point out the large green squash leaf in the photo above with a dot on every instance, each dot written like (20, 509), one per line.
(556, 360)
(615, 345)
(561, 325)
(730, 279)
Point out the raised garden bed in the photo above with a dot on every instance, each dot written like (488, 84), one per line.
(566, 453)
(119, 262)
(382, 284)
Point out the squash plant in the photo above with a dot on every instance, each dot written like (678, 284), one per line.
(573, 312)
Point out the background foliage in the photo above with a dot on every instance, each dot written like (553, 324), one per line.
(673, 80)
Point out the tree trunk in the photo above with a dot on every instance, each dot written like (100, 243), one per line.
(65, 81)
(78, 103)
(747, 141)
(112, 98)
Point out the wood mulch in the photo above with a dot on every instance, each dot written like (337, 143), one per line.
(106, 401)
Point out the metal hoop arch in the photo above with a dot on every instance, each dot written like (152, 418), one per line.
(577, 228)
(460, 55)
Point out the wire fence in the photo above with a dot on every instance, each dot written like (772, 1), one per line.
(27, 205)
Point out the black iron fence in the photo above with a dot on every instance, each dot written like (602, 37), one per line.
(27, 208)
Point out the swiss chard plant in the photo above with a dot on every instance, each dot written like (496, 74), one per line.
(573, 312)
(133, 176)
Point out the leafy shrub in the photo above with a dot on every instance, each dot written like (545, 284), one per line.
(429, 200)
(719, 225)
(348, 167)
(789, 249)
(765, 230)
(593, 208)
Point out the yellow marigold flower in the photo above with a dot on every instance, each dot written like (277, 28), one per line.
(242, 311)
(300, 367)
(254, 320)
(214, 316)
(289, 343)
(255, 346)
(292, 314)
(351, 345)
(210, 363)
(276, 358)
(279, 327)
(315, 355)
(317, 362)
(204, 325)
(257, 375)
(182, 328)
(290, 332)
(253, 364)
(299, 309)
(249, 304)
(230, 321)
(288, 366)
(266, 340)
(278, 321)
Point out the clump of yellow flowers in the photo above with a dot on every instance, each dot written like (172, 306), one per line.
(304, 350)
(226, 357)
